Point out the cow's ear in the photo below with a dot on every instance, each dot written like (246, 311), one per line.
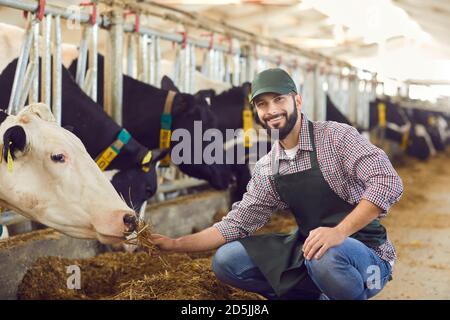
(39, 109)
(247, 87)
(158, 154)
(3, 116)
(14, 141)
(167, 84)
(69, 128)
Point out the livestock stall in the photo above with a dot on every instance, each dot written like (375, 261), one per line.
(113, 63)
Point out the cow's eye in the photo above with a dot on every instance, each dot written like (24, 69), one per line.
(58, 158)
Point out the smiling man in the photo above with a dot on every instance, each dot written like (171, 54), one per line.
(337, 185)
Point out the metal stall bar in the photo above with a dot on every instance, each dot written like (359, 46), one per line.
(20, 70)
(143, 58)
(34, 57)
(82, 57)
(57, 72)
(87, 78)
(46, 60)
(113, 66)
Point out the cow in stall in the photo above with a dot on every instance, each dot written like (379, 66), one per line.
(400, 127)
(47, 175)
(143, 106)
(429, 119)
(134, 181)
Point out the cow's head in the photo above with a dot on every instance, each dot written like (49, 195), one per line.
(47, 175)
(136, 185)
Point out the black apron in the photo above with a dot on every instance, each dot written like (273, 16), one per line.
(314, 204)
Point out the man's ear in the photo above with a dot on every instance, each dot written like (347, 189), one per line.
(298, 100)
(39, 109)
(14, 140)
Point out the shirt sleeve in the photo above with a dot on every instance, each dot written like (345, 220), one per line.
(370, 165)
(254, 210)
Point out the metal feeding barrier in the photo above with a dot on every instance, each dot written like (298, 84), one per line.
(232, 60)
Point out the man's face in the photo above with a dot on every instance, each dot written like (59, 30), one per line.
(277, 112)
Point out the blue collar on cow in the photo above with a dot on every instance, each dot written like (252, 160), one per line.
(166, 127)
(105, 158)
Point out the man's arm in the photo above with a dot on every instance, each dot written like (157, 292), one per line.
(323, 238)
(368, 164)
(206, 239)
(245, 217)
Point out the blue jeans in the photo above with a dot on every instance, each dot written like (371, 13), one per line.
(348, 271)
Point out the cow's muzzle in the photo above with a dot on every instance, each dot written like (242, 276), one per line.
(130, 221)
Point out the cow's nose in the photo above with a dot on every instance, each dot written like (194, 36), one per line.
(130, 222)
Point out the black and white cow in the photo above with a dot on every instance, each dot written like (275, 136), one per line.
(143, 106)
(402, 128)
(97, 131)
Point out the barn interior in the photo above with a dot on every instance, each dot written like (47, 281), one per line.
(382, 67)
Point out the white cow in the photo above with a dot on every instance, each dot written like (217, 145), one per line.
(54, 180)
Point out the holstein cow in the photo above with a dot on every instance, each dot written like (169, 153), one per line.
(143, 106)
(429, 119)
(132, 174)
(47, 175)
(401, 128)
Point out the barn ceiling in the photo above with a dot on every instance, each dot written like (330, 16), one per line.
(407, 40)
(403, 39)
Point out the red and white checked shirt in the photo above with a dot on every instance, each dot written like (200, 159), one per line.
(354, 168)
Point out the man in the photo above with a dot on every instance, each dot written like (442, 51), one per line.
(337, 185)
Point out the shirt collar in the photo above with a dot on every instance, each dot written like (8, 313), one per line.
(304, 140)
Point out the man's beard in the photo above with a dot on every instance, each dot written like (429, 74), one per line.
(283, 132)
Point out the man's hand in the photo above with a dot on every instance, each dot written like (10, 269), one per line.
(320, 240)
(163, 242)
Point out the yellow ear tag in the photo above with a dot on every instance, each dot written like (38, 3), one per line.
(10, 160)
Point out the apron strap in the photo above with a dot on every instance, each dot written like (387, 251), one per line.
(313, 153)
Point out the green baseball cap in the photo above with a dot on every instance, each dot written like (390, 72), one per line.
(274, 80)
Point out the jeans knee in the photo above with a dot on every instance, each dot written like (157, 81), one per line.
(220, 263)
(331, 259)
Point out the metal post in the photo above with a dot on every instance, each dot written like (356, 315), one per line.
(157, 60)
(93, 63)
(177, 68)
(151, 62)
(353, 98)
(27, 83)
(186, 69)
(143, 59)
(57, 72)
(20, 69)
(131, 55)
(46, 61)
(34, 57)
(192, 69)
(114, 105)
(82, 57)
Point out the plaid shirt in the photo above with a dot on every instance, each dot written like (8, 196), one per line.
(354, 168)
